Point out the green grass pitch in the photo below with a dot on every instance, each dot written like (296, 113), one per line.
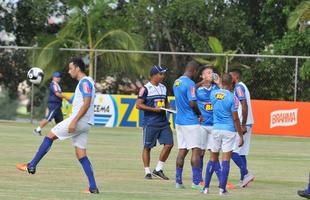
(280, 164)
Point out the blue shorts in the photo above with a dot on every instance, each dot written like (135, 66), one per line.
(54, 113)
(151, 134)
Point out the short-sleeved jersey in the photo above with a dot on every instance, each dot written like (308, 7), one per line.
(204, 103)
(242, 93)
(154, 96)
(52, 98)
(185, 91)
(85, 88)
(224, 104)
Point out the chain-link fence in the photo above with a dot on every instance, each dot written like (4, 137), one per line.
(268, 77)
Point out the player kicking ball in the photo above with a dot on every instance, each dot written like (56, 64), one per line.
(75, 127)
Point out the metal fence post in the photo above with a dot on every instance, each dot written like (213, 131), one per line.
(95, 67)
(226, 63)
(32, 89)
(159, 59)
(296, 79)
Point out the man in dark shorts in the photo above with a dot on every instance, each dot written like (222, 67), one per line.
(152, 98)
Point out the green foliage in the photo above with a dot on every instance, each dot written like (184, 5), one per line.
(275, 77)
(300, 16)
(8, 105)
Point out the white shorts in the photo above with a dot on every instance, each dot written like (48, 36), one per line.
(245, 148)
(205, 133)
(79, 137)
(222, 139)
(188, 136)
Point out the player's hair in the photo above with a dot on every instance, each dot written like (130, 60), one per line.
(191, 66)
(237, 71)
(79, 63)
(226, 79)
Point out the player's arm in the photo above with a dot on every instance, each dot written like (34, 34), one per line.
(60, 95)
(191, 96)
(240, 92)
(141, 106)
(244, 106)
(140, 103)
(86, 89)
(234, 111)
(194, 106)
(238, 127)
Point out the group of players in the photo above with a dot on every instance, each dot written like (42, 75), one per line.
(215, 115)
(206, 119)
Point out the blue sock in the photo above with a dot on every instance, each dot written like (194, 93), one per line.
(88, 169)
(209, 171)
(237, 159)
(178, 175)
(196, 175)
(201, 168)
(218, 170)
(43, 149)
(309, 185)
(225, 173)
(243, 157)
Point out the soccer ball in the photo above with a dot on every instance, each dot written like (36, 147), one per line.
(35, 75)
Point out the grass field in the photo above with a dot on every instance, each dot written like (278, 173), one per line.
(280, 164)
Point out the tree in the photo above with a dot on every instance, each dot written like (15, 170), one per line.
(89, 27)
(300, 16)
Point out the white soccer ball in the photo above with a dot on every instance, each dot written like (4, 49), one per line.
(35, 75)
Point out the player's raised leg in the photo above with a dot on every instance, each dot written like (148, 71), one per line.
(42, 150)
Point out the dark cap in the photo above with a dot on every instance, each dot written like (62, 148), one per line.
(57, 74)
(157, 69)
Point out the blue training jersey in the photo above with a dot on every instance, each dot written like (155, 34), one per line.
(185, 91)
(224, 104)
(52, 98)
(154, 96)
(204, 103)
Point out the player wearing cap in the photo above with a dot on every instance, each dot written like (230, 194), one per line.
(54, 104)
(151, 98)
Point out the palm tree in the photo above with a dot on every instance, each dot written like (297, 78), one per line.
(220, 61)
(300, 16)
(87, 28)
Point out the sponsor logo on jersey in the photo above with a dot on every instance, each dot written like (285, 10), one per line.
(208, 106)
(283, 118)
(240, 93)
(193, 91)
(219, 96)
(86, 89)
(177, 83)
(141, 92)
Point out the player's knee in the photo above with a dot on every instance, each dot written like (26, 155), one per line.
(51, 135)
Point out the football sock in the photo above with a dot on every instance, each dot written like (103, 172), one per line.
(309, 185)
(88, 169)
(43, 149)
(196, 175)
(178, 175)
(201, 168)
(217, 169)
(224, 175)
(237, 159)
(147, 170)
(209, 171)
(160, 165)
(243, 157)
